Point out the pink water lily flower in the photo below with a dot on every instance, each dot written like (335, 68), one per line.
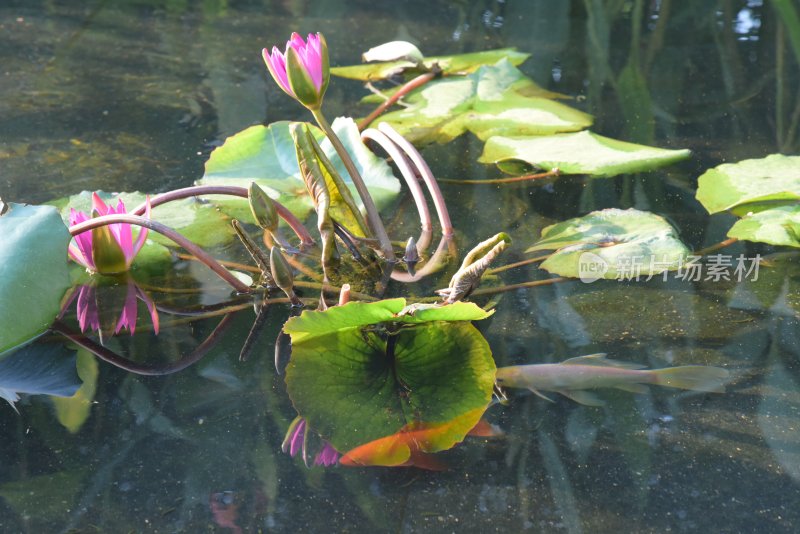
(109, 249)
(302, 71)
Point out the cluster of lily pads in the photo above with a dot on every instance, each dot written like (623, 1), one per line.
(366, 385)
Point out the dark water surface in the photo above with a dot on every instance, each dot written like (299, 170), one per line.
(133, 95)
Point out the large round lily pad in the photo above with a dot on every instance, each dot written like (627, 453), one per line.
(358, 382)
(33, 271)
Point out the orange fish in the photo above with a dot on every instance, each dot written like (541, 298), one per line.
(413, 444)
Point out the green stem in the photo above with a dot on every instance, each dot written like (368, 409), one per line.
(373, 217)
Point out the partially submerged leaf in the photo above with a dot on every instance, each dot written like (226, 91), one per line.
(775, 226)
(493, 100)
(751, 185)
(577, 153)
(33, 271)
(455, 64)
(39, 369)
(614, 243)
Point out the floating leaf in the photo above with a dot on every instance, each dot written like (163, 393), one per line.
(491, 101)
(742, 186)
(776, 226)
(577, 153)
(266, 155)
(33, 271)
(358, 374)
(457, 64)
(612, 243)
(38, 369)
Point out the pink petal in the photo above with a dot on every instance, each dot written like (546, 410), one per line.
(87, 309)
(129, 311)
(140, 239)
(98, 204)
(327, 456)
(83, 241)
(151, 308)
(276, 63)
(297, 439)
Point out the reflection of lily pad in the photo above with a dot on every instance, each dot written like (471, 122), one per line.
(493, 100)
(266, 155)
(619, 241)
(360, 381)
(577, 153)
(33, 271)
(457, 64)
(39, 369)
(776, 226)
(774, 180)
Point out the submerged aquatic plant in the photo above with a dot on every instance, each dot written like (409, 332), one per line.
(296, 441)
(108, 249)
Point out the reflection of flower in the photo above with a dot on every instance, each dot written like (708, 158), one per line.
(108, 249)
(302, 70)
(89, 308)
(295, 441)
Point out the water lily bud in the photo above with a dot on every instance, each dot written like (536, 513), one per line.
(281, 270)
(263, 208)
(303, 70)
(411, 257)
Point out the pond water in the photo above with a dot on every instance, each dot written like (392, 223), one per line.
(134, 95)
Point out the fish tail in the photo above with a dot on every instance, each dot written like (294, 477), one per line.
(694, 377)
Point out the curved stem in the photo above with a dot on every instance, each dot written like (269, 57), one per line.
(164, 230)
(521, 263)
(410, 177)
(419, 81)
(230, 190)
(523, 178)
(715, 247)
(109, 356)
(425, 173)
(523, 285)
(445, 249)
(374, 218)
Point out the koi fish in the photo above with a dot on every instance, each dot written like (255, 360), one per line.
(573, 377)
(411, 446)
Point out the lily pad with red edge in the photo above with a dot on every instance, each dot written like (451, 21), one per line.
(364, 371)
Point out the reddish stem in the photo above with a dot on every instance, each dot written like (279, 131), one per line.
(198, 252)
(230, 190)
(523, 178)
(419, 81)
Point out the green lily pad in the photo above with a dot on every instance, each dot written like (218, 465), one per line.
(455, 64)
(577, 153)
(610, 244)
(266, 155)
(360, 380)
(750, 185)
(776, 226)
(33, 272)
(493, 100)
